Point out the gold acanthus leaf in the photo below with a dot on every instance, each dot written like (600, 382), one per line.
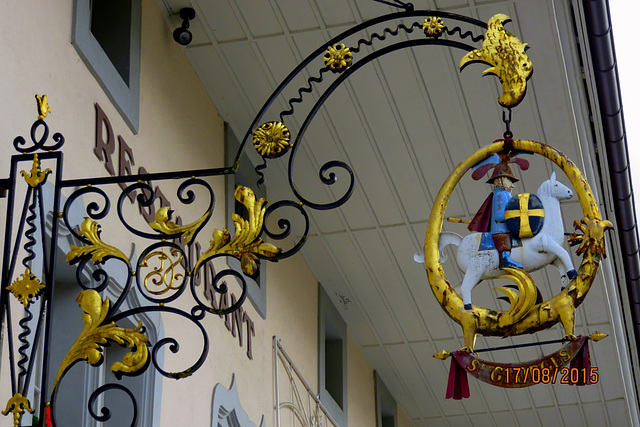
(164, 225)
(508, 60)
(245, 244)
(592, 237)
(95, 334)
(98, 249)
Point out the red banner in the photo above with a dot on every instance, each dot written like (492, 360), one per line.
(547, 370)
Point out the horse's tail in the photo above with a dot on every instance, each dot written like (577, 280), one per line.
(447, 238)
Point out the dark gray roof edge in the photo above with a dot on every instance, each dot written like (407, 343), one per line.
(598, 25)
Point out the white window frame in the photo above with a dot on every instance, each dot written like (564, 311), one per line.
(126, 98)
(331, 326)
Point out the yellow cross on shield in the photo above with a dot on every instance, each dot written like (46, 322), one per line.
(524, 215)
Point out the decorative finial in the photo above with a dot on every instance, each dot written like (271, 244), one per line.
(37, 176)
(506, 54)
(43, 107)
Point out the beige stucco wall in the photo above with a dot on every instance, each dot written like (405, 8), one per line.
(403, 421)
(179, 129)
(362, 403)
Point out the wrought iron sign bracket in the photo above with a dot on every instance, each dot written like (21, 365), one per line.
(168, 268)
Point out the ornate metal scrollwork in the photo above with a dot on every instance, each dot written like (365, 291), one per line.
(95, 333)
(245, 245)
(167, 267)
(99, 250)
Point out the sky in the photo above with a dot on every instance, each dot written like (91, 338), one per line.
(624, 21)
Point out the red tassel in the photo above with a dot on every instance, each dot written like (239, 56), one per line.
(458, 386)
(580, 367)
(47, 417)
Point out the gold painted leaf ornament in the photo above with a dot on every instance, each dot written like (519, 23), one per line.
(506, 55)
(164, 225)
(592, 236)
(245, 245)
(95, 334)
(99, 250)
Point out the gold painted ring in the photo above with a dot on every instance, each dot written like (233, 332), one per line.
(485, 320)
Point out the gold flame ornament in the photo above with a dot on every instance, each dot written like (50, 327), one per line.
(95, 334)
(508, 60)
(43, 107)
(526, 315)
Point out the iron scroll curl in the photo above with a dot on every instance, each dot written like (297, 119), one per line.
(330, 171)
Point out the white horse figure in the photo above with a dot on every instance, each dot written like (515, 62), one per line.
(536, 252)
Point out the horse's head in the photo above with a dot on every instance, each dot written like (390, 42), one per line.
(555, 189)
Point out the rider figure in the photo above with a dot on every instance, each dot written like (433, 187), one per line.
(491, 215)
(503, 183)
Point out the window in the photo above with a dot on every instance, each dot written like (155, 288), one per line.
(332, 360)
(247, 176)
(386, 407)
(106, 34)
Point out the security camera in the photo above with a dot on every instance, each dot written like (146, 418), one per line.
(182, 35)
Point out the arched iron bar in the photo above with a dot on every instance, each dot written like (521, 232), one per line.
(325, 95)
(320, 50)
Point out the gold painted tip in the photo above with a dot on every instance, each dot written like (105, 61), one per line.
(442, 355)
(597, 336)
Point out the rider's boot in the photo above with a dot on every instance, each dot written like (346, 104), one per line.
(507, 262)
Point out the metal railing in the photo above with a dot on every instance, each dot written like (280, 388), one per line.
(295, 395)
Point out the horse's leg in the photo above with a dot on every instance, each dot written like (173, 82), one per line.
(471, 279)
(557, 263)
(562, 256)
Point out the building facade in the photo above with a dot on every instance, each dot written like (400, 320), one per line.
(351, 314)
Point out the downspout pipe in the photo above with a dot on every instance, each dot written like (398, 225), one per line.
(598, 24)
